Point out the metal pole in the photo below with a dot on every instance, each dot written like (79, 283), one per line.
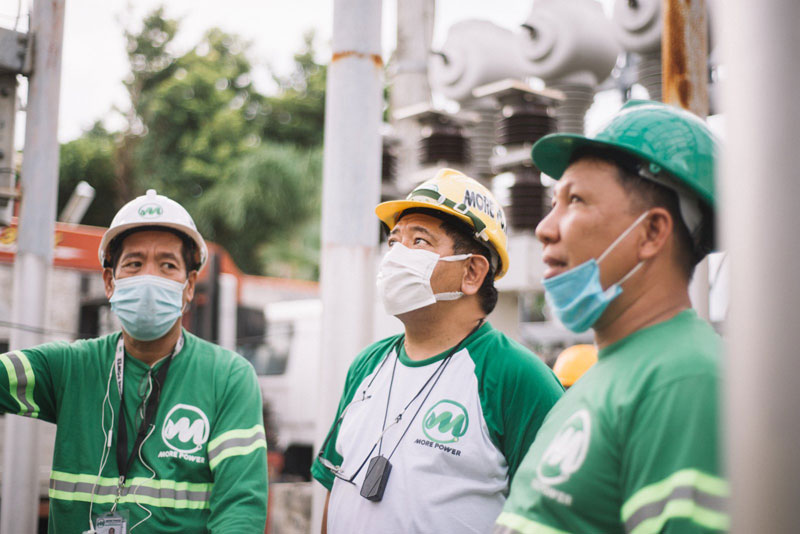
(34, 253)
(760, 222)
(684, 60)
(226, 317)
(8, 112)
(351, 189)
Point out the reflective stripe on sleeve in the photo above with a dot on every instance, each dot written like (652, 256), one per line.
(161, 493)
(21, 382)
(687, 494)
(509, 523)
(236, 443)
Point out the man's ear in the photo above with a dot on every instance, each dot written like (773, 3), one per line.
(108, 281)
(476, 269)
(658, 227)
(191, 283)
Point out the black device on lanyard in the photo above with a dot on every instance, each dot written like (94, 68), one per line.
(125, 460)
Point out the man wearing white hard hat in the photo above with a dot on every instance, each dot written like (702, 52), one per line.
(434, 422)
(158, 430)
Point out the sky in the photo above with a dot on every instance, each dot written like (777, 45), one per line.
(94, 61)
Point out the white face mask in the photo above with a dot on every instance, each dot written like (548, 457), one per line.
(404, 279)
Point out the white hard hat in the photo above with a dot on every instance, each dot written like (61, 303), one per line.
(152, 209)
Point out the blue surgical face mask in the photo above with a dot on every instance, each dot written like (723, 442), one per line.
(147, 305)
(576, 296)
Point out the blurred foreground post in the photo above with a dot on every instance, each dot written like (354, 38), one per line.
(761, 221)
(20, 500)
(351, 189)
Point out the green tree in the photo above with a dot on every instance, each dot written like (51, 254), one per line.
(90, 158)
(264, 201)
(246, 165)
(297, 114)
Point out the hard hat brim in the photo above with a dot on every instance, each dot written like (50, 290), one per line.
(552, 153)
(388, 212)
(194, 235)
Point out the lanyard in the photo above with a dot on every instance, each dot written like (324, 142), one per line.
(437, 373)
(125, 460)
(434, 377)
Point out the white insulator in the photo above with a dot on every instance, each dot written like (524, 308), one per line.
(637, 25)
(476, 52)
(562, 39)
(649, 73)
(571, 112)
(482, 139)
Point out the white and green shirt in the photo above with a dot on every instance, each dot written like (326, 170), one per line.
(633, 447)
(451, 470)
(207, 448)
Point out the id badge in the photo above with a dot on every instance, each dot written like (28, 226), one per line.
(111, 523)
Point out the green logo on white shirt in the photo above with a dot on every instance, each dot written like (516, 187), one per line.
(445, 422)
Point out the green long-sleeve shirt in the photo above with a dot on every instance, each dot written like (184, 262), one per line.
(207, 449)
(632, 448)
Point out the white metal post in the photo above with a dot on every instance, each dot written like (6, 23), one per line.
(760, 222)
(8, 111)
(34, 253)
(226, 317)
(351, 189)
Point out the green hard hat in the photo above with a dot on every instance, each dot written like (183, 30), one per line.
(678, 146)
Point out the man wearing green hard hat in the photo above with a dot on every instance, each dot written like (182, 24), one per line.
(633, 446)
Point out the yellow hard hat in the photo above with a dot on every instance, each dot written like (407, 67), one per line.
(573, 362)
(456, 194)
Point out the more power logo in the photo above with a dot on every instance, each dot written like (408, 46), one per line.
(445, 422)
(149, 211)
(567, 451)
(564, 456)
(185, 431)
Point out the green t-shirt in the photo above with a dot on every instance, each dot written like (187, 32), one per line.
(451, 469)
(633, 446)
(207, 447)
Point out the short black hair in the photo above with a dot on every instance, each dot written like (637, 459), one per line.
(646, 194)
(189, 250)
(464, 242)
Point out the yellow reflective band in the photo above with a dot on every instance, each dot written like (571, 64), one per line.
(21, 382)
(237, 451)
(136, 481)
(684, 509)
(688, 494)
(686, 477)
(525, 526)
(234, 434)
(161, 493)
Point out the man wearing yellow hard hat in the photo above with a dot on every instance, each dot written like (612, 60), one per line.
(633, 447)
(433, 422)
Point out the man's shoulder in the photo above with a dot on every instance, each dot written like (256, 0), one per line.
(501, 362)
(373, 354)
(80, 347)
(208, 353)
(684, 346)
(495, 349)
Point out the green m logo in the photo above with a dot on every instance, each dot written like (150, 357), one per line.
(445, 422)
(148, 211)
